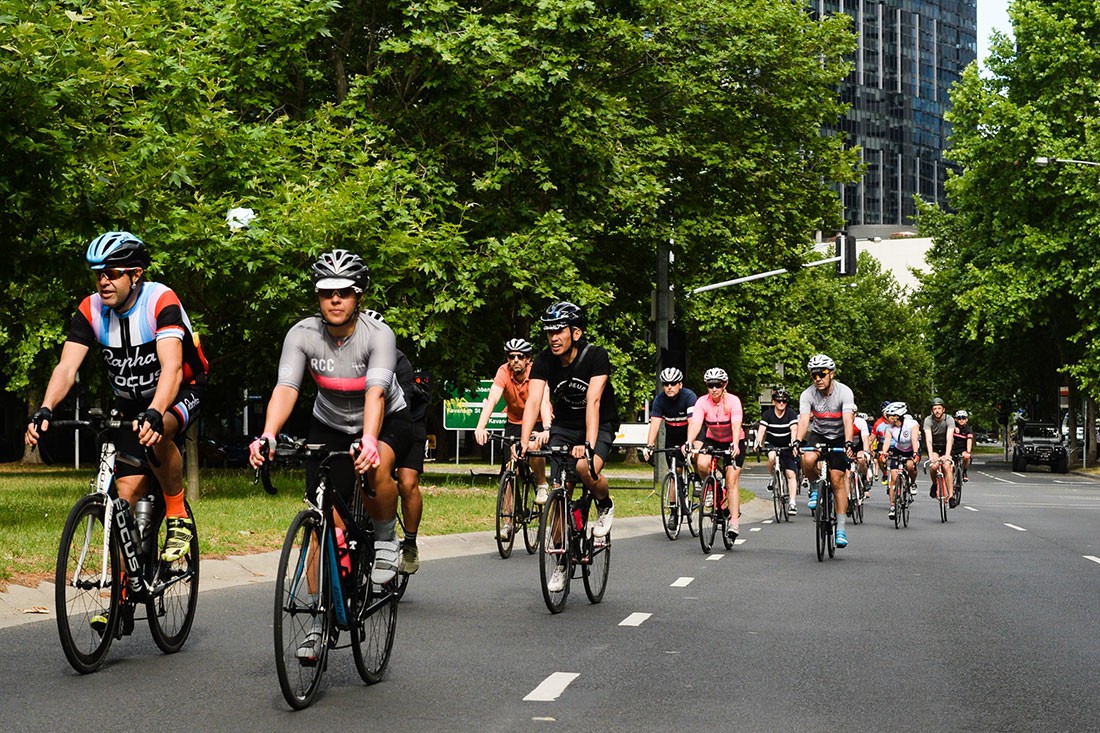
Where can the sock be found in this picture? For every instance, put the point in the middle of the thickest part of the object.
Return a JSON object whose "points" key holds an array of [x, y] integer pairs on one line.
{"points": [[410, 539], [840, 521], [605, 503], [173, 506], [384, 530]]}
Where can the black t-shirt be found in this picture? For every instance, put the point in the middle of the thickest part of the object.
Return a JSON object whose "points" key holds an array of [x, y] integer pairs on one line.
{"points": [[777, 430], [568, 385], [963, 433], [415, 397]]}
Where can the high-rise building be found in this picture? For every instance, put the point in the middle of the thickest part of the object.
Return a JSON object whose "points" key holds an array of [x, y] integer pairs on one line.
{"points": [[909, 54]]}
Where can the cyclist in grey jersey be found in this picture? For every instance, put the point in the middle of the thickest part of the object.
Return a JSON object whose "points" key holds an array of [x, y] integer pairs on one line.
{"points": [[352, 359]]}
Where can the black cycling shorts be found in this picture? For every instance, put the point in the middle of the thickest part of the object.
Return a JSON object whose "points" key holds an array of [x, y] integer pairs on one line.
{"points": [[836, 460], [185, 408], [575, 436]]}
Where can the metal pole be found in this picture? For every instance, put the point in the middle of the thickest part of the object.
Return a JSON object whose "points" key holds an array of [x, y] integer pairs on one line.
{"points": [[76, 433]]}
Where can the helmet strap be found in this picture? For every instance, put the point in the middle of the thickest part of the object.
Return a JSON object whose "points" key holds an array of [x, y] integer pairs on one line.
{"points": [[136, 284]]}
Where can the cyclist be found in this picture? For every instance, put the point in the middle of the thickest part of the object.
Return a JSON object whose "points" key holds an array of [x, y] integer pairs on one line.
{"points": [[513, 382], [862, 439], [832, 407], [939, 434], [673, 407], [777, 426], [878, 439], [155, 367], [722, 414], [577, 375], [903, 440], [963, 445], [351, 357]]}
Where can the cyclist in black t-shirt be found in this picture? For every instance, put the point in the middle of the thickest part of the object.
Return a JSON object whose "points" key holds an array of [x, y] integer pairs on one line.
{"points": [[776, 429], [578, 375]]}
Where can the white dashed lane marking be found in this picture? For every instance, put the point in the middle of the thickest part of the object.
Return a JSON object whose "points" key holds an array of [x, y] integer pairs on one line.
{"points": [[715, 557], [970, 508], [1094, 558], [635, 619], [1013, 526], [682, 582], [551, 688]]}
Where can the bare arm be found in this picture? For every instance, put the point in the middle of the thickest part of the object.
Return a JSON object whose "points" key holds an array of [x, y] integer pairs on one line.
{"points": [[61, 381], [481, 435]]}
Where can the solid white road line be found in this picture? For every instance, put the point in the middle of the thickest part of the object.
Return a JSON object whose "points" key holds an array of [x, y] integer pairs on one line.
{"points": [[1013, 526], [682, 582], [635, 619], [551, 687], [1094, 558]]}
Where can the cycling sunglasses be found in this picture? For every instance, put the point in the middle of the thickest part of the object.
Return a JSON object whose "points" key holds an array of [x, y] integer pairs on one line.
{"points": [[517, 356], [715, 385], [820, 373], [669, 384], [113, 273], [343, 293]]}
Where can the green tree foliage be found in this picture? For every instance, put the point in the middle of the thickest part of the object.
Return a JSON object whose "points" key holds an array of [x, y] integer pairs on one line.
{"points": [[1014, 285], [485, 158]]}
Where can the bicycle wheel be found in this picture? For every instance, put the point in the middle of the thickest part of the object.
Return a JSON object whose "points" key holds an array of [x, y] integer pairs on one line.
{"points": [[87, 586], [505, 494], [784, 497], [296, 614], [905, 508], [941, 484], [554, 550], [691, 503], [830, 522], [669, 503], [779, 505], [529, 514], [595, 571], [374, 625], [708, 513], [899, 501], [821, 528], [171, 610]]}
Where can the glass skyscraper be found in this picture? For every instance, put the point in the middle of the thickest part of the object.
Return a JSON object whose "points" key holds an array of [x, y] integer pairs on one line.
{"points": [[910, 52]]}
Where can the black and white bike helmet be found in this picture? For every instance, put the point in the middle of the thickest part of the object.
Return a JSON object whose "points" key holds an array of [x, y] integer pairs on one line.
{"points": [[339, 269], [563, 314], [715, 374], [961, 414], [518, 345], [780, 393], [117, 249], [820, 361], [671, 375], [896, 409]]}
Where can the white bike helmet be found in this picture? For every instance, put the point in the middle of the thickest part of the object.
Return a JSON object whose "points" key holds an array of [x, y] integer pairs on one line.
{"points": [[715, 374], [820, 361], [896, 409], [962, 414], [517, 345], [671, 375]]}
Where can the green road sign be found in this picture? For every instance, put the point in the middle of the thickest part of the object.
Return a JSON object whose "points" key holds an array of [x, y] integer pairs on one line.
{"points": [[461, 411]]}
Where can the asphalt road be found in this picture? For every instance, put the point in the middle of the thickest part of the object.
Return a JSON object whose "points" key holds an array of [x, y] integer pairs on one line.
{"points": [[988, 622]]}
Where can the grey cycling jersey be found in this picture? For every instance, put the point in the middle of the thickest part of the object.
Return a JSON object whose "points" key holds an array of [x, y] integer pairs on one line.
{"points": [[940, 429], [343, 370], [828, 409]]}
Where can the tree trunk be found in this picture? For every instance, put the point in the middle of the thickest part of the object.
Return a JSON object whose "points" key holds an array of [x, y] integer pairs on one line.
{"points": [[191, 445]]}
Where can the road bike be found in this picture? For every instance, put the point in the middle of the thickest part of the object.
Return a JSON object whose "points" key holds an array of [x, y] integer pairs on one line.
{"points": [[939, 485], [901, 489], [679, 494], [957, 459], [516, 505], [566, 540], [858, 487], [825, 512], [781, 489], [324, 586], [109, 562], [712, 502]]}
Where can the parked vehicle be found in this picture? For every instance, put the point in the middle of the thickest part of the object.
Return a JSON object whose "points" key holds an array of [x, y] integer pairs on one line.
{"points": [[1040, 443]]}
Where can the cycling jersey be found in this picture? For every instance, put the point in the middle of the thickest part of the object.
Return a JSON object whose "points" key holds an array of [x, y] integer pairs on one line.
{"points": [[676, 412], [343, 369], [128, 340], [879, 430], [515, 392], [902, 436], [719, 417], [777, 430], [940, 430], [827, 409], [963, 434], [568, 384]]}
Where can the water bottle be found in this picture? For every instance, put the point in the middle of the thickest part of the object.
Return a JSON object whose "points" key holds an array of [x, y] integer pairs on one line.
{"points": [[143, 514], [343, 558], [578, 518], [129, 544]]}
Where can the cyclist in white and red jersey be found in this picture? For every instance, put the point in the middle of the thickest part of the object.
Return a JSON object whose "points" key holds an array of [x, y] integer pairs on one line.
{"points": [[878, 439], [902, 446], [722, 415], [352, 358], [155, 367], [831, 406], [862, 438]]}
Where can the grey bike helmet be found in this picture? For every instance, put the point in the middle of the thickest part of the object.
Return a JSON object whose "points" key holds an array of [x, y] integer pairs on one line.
{"points": [[820, 361], [518, 345], [117, 249], [671, 375], [339, 269]]}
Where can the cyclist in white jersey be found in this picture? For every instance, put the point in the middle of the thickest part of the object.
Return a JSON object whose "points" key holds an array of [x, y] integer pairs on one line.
{"points": [[904, 440]]}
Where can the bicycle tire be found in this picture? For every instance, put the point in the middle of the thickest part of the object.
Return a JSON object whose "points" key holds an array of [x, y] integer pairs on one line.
{"points": [[819, 527], [554, 549], [172, 611], [778, 504], [530, 516], [708, 514], [81, 589], [507, 485], [294, 613], [899, 501], [830, 522], [595, 571], [374, 626], [690, 506], [668, 486], [905, 508], [941, 483]]}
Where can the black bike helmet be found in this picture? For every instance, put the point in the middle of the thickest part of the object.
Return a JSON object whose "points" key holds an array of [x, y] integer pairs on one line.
{"points": [[117, 249], [339, 269], [563, 314]]}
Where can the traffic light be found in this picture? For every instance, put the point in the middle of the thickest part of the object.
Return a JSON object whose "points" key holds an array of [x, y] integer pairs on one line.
{"points": [[846, 252]]}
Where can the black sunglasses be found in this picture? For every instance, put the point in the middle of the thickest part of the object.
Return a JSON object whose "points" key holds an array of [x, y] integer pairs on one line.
{"points": [[517, 356], [342, 293], [669, 384], [715, 385], [780, 400], [821, 373]]}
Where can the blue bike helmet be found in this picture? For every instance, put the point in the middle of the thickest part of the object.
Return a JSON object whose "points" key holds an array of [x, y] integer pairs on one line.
{"points": [[117, 249]]}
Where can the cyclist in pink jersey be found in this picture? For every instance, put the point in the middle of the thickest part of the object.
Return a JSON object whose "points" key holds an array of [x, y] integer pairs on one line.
{"points": [[721, 413]]}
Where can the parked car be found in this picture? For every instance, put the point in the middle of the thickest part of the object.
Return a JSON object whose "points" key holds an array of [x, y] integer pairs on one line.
{"points": [[288, 450], [1039, 442]]}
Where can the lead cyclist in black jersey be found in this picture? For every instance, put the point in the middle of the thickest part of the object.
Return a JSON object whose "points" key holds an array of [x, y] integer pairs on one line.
{"points": [[352, 358]]}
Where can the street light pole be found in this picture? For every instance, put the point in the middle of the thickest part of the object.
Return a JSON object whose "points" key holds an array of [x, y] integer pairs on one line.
{"points": [[1043, 160]]}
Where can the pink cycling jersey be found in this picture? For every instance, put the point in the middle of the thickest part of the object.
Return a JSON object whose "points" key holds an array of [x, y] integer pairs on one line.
{"points": [[719, 417]]}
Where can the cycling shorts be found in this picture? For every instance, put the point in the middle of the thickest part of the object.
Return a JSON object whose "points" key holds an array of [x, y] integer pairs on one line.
{"points": [[787, 461], [739, 461], [836, 460], [396, 432], [185, 408], [575, 436]]}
